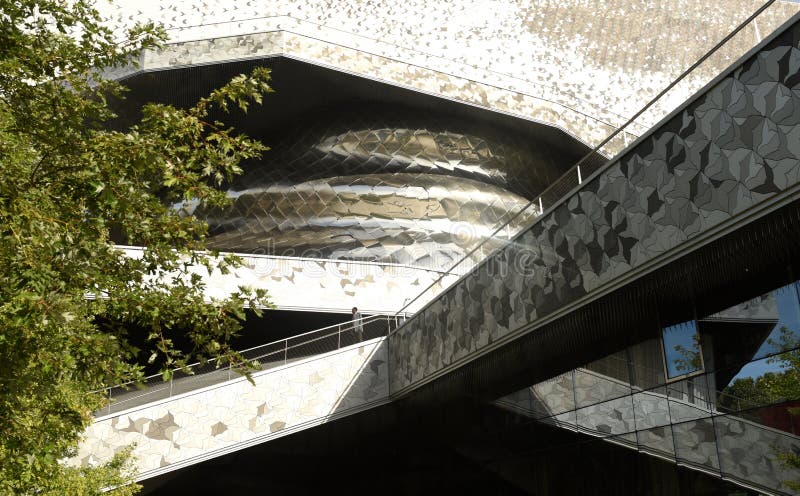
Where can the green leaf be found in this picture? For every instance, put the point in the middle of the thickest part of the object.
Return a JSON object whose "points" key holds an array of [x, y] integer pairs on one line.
{"points": [[74, 312]]}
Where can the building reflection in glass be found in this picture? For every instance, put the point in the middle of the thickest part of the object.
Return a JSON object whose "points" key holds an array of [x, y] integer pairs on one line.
{"points": [[720, 394], [682, 354]]}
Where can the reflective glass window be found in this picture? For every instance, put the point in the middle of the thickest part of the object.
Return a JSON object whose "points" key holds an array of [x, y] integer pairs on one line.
{"points": [[770, 375], [786, 331], [682, 354]]}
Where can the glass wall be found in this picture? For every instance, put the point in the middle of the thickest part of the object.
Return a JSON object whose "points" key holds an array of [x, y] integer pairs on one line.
{"points": [[720, 393], [682, 349]]}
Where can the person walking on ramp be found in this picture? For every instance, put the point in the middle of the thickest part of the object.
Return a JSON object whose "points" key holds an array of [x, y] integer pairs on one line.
{"points": [[358, 326]]}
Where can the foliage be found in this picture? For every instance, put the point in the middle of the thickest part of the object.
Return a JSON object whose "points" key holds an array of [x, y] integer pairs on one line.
{"points": [[771, 388], [745, 392], [688, 360], [786, 386], [69, 300]]}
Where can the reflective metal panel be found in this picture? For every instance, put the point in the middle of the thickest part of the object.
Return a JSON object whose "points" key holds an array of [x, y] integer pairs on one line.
{"points": [[382, 184]]}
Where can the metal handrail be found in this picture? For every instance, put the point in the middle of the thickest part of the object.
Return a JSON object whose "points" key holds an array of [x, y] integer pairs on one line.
{"points": [[278, 353], [363, 320], [575, 176]]}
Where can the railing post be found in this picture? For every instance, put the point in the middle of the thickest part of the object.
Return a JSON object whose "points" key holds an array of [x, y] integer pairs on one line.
{"points": [[541, 208], [170, 386], [109, 401], [229, 372], [339, 337], [286, 351], [580, 179]]}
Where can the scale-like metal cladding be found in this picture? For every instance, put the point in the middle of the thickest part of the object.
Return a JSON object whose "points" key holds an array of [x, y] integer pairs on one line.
{"points": [[383, 186]]}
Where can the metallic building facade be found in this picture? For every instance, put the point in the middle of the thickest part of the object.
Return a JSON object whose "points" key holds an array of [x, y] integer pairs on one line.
{"points": [[364, 171], [698, 214], [384, 184]]}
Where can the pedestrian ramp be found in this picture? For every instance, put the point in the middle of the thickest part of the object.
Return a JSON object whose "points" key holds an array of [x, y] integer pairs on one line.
{"points": [[194, 418]]}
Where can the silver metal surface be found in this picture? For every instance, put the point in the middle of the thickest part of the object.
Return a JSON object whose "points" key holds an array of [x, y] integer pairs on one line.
{"points": [[383, 186]]}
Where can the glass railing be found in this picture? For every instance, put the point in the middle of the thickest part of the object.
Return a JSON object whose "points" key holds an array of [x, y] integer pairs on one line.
{"points": [[739, 418]]}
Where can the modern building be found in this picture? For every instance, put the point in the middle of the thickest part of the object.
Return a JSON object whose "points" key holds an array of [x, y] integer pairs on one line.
{"points": [[563, 294]]}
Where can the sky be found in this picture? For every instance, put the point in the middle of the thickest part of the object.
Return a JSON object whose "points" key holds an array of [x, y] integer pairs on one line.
{"points": [[789, 316]]}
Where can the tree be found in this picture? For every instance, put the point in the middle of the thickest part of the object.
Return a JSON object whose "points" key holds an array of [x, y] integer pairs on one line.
{"points": [[688, 360], [772, 388], [70, 187]]}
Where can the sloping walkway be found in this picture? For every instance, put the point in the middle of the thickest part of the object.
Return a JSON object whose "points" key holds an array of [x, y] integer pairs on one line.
{"points": [[203, 423], [726, 158], [656, 422]]}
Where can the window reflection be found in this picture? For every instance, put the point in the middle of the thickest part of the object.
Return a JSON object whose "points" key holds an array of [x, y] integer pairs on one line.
{"points": [[682, 349], [737, 390], [786, 332]]}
